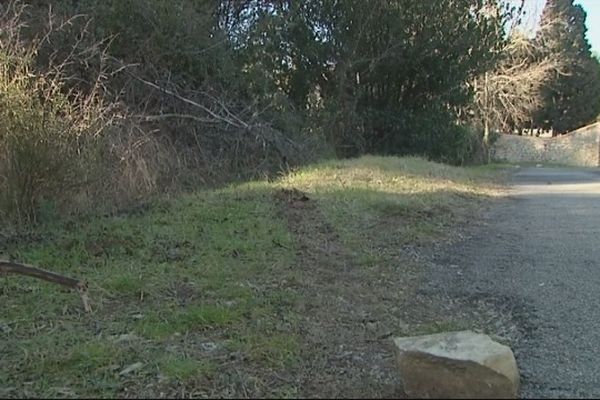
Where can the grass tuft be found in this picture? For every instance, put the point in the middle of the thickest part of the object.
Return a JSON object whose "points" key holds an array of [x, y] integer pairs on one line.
{"points": [[184, 369]]}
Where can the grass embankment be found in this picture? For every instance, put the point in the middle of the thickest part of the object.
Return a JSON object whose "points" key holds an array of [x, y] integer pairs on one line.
{"points": [[288, 288]]}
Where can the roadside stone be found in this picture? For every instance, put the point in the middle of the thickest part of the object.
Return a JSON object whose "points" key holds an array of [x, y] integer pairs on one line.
{"points": [[461, 364], [131, 368], [174, 254], [209, 346], [4, 328], [126, 337]]}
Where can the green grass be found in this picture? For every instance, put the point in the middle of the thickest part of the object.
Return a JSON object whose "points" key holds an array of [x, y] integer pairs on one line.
{"points": [[395, 200], [220, 266], [529, 164], [193, 318], [182, 369], [278, 350], [126, 284]]}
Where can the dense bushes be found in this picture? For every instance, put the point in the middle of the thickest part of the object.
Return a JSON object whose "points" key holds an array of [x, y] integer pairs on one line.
{"points": [[48, 135], [106, 104], [389, 75], [119, 99]]}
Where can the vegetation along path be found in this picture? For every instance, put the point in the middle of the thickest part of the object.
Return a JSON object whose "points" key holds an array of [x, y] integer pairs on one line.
{"points": [[290, 288], [534, 260]]}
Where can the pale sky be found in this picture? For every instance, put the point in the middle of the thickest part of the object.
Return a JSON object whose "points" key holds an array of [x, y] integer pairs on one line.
{"points": [[591, 7]]}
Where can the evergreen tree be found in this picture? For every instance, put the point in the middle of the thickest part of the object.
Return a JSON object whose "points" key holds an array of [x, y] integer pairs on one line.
{"points": [[572, 98]]}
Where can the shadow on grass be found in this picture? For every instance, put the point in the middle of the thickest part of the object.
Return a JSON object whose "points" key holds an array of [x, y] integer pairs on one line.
{"points": [[227, 282]]}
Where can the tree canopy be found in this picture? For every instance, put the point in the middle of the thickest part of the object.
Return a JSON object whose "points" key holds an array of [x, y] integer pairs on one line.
{"points": [[157, 94], [572, 98]]}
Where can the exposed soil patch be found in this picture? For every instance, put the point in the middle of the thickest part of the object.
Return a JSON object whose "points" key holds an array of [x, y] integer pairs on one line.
{"points": [[183, 292], [348, 312]]}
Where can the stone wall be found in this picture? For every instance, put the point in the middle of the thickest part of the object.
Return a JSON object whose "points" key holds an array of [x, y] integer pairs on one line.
{"points": [[577, 148]]}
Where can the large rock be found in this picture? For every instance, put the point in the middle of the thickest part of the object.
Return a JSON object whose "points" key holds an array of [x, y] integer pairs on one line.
{"points": [[457, 365]]}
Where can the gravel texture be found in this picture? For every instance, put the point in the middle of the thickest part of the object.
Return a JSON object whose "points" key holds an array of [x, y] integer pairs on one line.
{"points": [[534, 258]]}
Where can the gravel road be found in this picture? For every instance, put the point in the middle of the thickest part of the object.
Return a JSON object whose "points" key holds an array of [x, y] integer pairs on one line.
{"points": [[537, 252]]}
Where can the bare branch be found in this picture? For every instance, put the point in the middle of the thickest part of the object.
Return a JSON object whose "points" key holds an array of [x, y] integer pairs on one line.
{"points": [[8, 267], [507, 96], [236, 123]]}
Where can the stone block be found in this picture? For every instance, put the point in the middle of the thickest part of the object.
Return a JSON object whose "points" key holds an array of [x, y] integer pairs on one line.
{"points": [[461, 364]]}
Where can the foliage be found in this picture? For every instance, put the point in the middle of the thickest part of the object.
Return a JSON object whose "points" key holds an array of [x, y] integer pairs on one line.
{"points": [[507, 96], [48, 135], [408, 61], [544, 80], [572, 98], [162, 72], [373, 71], [211, 91]]}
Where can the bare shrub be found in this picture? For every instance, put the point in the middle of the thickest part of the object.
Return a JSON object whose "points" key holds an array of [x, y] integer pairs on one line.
{"points": [[80, 128], [507, 96], [49, 132], [216, 136]]}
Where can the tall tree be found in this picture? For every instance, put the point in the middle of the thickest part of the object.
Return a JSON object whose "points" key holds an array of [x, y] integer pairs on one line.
{"points": [[508, 95], [405, 63], [572, 98]]}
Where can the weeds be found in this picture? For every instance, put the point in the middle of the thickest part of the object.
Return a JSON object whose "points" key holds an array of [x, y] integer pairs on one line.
{"points": [[49, 132], [223, 293]]}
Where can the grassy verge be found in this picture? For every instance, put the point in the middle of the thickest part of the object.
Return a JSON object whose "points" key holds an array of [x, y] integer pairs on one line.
{"points": [[275, 289]]}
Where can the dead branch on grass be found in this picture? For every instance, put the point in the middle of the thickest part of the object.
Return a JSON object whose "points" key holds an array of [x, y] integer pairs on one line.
{"points": [[8, 267]]}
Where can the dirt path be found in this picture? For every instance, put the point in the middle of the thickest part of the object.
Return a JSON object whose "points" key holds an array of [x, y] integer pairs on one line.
{"points": [[345, 325], [533, 263]]}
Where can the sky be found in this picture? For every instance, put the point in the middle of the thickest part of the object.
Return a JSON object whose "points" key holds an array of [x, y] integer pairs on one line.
{"points": [[592, 8]]}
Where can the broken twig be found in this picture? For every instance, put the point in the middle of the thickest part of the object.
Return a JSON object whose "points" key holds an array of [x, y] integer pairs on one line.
{"points": [[8, 267]]}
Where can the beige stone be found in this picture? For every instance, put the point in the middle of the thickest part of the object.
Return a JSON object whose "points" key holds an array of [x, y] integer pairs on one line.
{"points": [[461, 364]]}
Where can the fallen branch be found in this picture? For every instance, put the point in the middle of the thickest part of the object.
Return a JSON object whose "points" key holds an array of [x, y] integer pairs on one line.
{"points": [[149, 118], [236, 122], [7, 267]]}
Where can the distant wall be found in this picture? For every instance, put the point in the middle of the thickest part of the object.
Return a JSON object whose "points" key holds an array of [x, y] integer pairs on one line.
{"points": [[577, 148]]}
